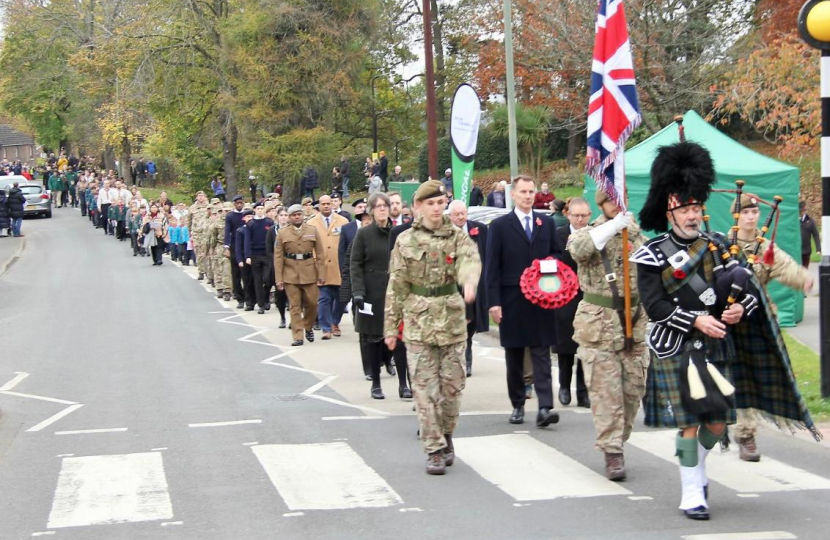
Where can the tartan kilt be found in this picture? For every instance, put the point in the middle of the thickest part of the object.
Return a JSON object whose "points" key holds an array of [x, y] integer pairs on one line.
{"points": [[663, 405]]}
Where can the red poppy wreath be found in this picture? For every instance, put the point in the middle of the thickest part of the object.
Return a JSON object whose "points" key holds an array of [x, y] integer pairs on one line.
{"points": [[549, 291]]}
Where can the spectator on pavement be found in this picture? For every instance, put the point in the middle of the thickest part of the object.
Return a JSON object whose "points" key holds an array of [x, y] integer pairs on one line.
{"points": [[809, 233], [16, 202], [5, 220], [496, 198], [543, 199]]}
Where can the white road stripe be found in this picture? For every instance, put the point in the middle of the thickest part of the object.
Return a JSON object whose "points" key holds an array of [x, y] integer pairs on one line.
{"points": [[768, 475], [329, 418], [86, 431], [39, 398], [54, 418], [295, 368], [326, 476], [765, 535], [318, 386], [229, 423], [14, 382], [369, 410], [529, 470], [95, 490]]}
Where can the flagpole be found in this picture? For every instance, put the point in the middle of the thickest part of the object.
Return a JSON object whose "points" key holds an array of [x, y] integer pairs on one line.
{"points": [[619, 168]]}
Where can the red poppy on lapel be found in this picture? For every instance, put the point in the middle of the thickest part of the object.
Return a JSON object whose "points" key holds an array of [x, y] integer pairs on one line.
{"points": [[679, 274], [450, 259], [538, 222], [474, 231]]}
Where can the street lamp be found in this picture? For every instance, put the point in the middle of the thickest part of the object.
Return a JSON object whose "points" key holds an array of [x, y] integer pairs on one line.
{"points": [[374, 116], [814, 27]]}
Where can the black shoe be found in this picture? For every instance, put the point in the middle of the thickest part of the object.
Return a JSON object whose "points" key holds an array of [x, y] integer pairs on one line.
{"points": [[220, 294], [282, 323], [377, 393], [518, 416], [699, 513], [582, 400], [201, 277], [449, 450], [404, 393], [564, 395], [135, 254], [261, 311], [316, 327], [268, 307], [227, 297], [240, 305], [249, 308], [297, 343], [390, 369], [309, 335], [546, 417]]}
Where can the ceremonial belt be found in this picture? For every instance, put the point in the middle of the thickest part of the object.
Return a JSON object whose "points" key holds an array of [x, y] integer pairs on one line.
{"points": [[299, 256], [607, 301], [431, 292], [617, 303]]}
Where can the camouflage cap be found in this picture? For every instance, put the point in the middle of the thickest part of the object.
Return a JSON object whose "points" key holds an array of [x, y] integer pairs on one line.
{"points": [[215, 200], [228, 206], [748, 200], [430, 190], [307, 200]]}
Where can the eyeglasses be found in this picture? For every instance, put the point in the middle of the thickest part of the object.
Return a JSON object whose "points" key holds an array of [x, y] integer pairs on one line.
{"points": [[380, 206]]}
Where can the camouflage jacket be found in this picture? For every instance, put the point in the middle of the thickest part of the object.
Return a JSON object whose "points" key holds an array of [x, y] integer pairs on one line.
{"points": [[197, 220], [426, 258], [216, 235], [784, 270], [596, 326]]}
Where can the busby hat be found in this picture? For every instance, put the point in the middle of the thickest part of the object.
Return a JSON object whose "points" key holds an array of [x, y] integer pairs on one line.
{"points": [[682, 174]]}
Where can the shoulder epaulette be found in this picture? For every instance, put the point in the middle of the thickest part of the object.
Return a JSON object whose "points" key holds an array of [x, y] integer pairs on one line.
{"points": [[650, 253]]}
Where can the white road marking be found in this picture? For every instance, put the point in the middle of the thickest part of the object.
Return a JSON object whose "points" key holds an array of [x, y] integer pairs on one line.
{"points": [[748, 495], [39, 398], [87, 431], [250, 443], [168, 523], [330, 418], [521, 432], [325, 476], [223, 312], [484, 413], [764, 535], [247, 339], [158, 449], [410, 510], [14, 382], [768, 475], [229, 423], [529, 470], [295, 368], [64, 455], [43, 533], [641, 498], [319, 385], [96, 490], [54, 418], [293, 514], [350, 405]]}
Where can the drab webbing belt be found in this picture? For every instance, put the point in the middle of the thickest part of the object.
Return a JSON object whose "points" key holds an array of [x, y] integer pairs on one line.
{"points": [[617, 303], [607, 302], [299, 256], [442, 290]]}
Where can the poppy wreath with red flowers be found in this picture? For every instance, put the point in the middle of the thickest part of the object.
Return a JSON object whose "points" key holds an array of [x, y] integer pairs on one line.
{"points": [[530, 286]]}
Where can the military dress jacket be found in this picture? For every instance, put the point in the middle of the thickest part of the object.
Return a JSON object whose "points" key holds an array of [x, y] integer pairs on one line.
{"points": [[305, 241], [426, 268]]}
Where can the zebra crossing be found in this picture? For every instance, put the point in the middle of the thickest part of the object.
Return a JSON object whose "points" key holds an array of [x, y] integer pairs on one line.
{"points": [[100, 490]]}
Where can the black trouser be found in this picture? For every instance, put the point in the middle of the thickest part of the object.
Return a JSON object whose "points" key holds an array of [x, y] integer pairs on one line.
{"points": [[248, 294], [236, 279], [541, 375], [121, 230], [74, 196], [134, 242], [157, 250], [468, 354], [260, 268], [104, 219], [64, 198], [83, 205], [281, 299], [372, 352], [399, 354], [566, 369], [221, 197]]}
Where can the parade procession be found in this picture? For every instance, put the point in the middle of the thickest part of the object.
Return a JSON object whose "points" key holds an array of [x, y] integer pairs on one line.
{"points": [[562, 281]]}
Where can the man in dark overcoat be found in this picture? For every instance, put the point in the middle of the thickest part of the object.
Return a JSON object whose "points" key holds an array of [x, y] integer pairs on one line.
{"points": [[515, 241]]}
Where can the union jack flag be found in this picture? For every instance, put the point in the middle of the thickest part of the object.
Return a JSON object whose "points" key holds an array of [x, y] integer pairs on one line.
{"points": [[613, 111]]}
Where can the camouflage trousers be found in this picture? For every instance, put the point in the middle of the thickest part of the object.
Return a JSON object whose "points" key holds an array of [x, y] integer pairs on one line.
{"points": [[616, 383], [220, 271], [438, 376], [746, 426], [202, 256]]}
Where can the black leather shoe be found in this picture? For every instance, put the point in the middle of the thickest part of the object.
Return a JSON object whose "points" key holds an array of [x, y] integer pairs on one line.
{"points": [[309, 335], [377, 393], [249, 308], [297, 343], [700, 513], [261, 311], [546, 417], [390, 369], [469, 371], [240, 305], [582, 400], [564, 395], [282, 323], [518, 416], [404, 393]]}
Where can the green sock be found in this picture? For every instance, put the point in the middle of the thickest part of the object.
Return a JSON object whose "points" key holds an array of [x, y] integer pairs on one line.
{"points": [[686, 451], [707, 439]]}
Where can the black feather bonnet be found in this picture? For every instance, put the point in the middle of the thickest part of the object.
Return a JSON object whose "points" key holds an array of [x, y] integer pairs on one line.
{"points": [[682, 174]]}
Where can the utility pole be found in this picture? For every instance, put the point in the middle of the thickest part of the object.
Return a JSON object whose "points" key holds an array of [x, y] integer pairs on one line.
{"points": [[374, 117], [511, 99], [432, 126]]}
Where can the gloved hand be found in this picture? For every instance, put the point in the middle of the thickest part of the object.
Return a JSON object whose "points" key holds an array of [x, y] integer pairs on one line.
{"points": [[601, 234], [358, 302]]}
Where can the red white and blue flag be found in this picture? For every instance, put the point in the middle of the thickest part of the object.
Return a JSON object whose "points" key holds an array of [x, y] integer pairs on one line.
{"points": [[613, 111]]}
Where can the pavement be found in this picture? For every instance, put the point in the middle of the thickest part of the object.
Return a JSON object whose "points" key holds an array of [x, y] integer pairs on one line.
{"points": [[134, 404], [10, 250]]}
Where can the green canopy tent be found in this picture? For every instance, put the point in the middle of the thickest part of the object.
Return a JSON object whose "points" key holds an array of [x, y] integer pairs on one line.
{"points": [[764, 176]]}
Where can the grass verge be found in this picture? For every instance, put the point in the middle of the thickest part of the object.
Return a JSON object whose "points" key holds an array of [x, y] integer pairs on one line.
{"points": [[173, 193], [807, 369]]}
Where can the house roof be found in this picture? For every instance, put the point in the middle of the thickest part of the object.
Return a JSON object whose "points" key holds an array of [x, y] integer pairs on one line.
{"points": [[11, 137]]}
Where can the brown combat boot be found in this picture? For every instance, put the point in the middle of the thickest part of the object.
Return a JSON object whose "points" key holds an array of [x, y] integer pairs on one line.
{"points": [[436, 463], [747, 449], [449, 451], [614, 466]]}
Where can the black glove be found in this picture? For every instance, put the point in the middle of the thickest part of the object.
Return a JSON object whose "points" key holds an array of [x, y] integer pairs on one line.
{"points": [[358, 302]]}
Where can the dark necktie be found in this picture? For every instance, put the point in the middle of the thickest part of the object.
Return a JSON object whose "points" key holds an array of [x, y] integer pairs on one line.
{"points": [[528, 232]]}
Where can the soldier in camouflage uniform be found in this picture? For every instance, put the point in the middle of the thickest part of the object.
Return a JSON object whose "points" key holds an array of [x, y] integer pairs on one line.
{"points": [[615, 377], [216, 249], [197, 225], [785, 270], [429, 262], [214, 208]]}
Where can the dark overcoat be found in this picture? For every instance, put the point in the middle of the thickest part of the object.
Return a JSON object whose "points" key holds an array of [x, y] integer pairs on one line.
{"points": [[5, 222], [509, 253], [347, 234], [565, 315], [16, 202], [369, 274], [478, 310]]}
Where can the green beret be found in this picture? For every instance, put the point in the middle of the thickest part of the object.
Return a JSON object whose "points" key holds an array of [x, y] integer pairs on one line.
{"points": [[429, 190]]}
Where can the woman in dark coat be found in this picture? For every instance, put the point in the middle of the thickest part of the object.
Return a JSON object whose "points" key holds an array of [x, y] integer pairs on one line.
{"points": [[369, 275], [16, 202], [565, 345], [5, 222]]}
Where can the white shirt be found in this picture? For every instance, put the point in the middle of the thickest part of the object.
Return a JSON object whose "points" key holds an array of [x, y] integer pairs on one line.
{"points": [[105, 196], [125, 196], [521, 215], [397, 221]]}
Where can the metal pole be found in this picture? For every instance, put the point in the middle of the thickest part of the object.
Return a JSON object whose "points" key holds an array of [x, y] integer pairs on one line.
{"points": [[511, 89], [824, 266], [432, 126], [374, 119]]}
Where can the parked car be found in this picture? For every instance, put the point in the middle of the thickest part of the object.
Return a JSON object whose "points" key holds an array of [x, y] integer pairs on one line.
{"points": [[38, 202], [7, 181]]}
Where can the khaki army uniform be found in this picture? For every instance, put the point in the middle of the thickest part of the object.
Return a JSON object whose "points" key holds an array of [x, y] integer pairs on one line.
{"points": [[424, 274], [197, 219], [297, 266], [789, 273], [615, 378], [219, 264]]}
